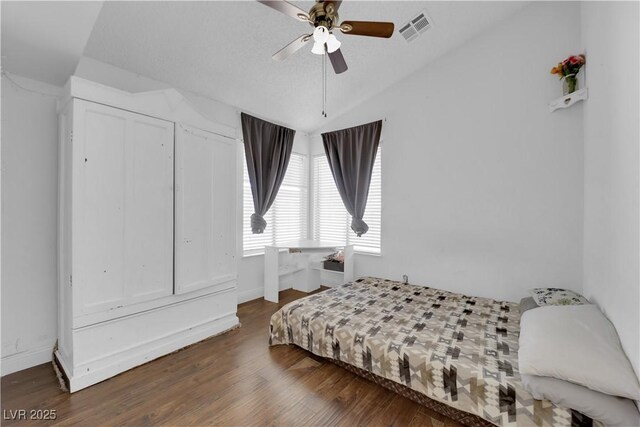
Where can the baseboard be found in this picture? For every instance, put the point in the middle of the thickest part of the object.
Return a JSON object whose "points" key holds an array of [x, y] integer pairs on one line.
{"points": [[26, 359], [250, 295]]}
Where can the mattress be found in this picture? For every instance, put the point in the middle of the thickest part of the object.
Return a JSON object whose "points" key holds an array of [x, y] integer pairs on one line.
{"points": [[456, 349]]}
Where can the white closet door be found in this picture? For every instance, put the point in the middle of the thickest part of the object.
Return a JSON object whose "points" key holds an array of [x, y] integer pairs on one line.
{"points": [[123, 200], [205, 212]]}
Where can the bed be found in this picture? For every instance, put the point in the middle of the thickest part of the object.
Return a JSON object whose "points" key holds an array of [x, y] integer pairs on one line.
{"points": [[455, 351]]}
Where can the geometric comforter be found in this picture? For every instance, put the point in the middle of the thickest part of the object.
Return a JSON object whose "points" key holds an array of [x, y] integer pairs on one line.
{"points": [[456, 349]]}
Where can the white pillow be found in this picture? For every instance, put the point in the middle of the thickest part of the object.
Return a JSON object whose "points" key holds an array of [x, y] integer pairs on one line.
{"points": [[576, 343], [610, 410]]}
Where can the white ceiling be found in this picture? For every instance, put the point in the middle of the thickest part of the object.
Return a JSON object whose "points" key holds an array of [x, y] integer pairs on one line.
{"points": [[223, 50], [44, 40]]}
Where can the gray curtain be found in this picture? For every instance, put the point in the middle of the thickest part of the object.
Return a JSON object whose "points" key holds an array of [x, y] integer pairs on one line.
{"points": [[351, 154], [267, 148]]}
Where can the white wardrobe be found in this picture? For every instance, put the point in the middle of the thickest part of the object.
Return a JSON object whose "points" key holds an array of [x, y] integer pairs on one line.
{"points": [[148, 196]]}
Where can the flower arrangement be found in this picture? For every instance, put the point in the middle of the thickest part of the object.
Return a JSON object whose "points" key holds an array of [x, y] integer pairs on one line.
{"points": [[567, 70], [336, 257], [334, 262]]}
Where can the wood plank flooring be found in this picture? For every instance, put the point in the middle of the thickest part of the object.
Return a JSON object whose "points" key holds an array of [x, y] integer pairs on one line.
{"points": [[234, 379]]}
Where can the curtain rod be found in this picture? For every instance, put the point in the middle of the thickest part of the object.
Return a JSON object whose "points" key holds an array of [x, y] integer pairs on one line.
{"points": [[308, 135], [258, 116], [311, 135]]}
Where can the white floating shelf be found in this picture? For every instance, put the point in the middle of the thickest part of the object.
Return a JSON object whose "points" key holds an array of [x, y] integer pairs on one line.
{"points": [[568, 100]]}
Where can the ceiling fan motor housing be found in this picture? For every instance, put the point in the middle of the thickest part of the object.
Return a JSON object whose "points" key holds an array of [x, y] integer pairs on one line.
{"points": [[323, 14]]}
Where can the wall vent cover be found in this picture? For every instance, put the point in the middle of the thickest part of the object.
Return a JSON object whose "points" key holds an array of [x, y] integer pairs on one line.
{"points": [[416, 26]]}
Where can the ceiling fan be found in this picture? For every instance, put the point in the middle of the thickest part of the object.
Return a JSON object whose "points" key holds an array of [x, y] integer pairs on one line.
{"points": [[323, 16]]}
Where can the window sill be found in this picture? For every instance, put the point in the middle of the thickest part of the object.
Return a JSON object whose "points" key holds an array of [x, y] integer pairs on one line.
{"points": [[255, 254], [372, 254]]}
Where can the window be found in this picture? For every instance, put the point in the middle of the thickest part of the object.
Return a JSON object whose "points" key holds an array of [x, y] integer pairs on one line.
{"points": [[331, 222], [287, 217]]}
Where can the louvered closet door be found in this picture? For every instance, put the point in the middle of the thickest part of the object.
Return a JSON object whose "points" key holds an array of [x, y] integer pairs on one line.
{"points": [[122, 207], [206, 199]]}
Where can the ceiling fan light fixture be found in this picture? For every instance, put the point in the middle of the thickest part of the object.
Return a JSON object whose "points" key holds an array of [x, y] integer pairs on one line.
{"points": [[321, 34], [333, 44], [318, 48]]}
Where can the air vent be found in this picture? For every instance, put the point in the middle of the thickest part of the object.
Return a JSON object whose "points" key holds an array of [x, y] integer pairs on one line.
{"points": [[421, 23], [408, 32], [418, 25]]}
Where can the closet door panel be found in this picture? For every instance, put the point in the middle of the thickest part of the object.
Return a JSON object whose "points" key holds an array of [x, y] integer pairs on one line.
{"points": [[224, 214], [123, 203], [99, 258], [205, 210], [149, 201]]}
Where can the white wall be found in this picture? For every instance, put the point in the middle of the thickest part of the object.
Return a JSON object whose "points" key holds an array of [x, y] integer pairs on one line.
{"points": [[481, 185], [29, 221], [611, 132]]}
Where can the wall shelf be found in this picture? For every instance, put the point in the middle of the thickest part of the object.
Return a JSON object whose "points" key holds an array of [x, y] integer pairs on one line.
{"points": [[568, 100]]}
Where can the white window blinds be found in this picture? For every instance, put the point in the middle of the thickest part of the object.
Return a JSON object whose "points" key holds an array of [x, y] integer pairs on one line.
{"points": [[287, 217], [331, 222]]}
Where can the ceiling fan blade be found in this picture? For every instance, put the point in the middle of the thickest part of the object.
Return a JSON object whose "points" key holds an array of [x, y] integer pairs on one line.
{"points": [[286, 8], [338, 62], [292, 47], [336, 4], [367, 28]]}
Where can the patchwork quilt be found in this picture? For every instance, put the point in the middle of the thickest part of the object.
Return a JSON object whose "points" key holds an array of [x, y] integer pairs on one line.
{"points": [[456, 349]]}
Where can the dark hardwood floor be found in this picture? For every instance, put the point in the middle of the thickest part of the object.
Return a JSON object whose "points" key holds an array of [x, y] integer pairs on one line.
{"points": [[234, 379]]}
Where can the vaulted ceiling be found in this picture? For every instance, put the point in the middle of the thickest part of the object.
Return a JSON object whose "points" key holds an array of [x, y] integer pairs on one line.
{"points": [[44, 40], [222, 49]]}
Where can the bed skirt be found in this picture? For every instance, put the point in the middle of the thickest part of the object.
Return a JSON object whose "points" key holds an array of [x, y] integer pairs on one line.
{"points": [[462, 417]]}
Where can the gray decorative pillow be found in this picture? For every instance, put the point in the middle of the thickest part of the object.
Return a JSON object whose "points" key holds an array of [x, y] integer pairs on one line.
{"points": [[557, 296]]}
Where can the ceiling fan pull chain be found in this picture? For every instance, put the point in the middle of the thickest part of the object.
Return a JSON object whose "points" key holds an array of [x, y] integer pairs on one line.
{"points": [[322, 77], [324, 84]]}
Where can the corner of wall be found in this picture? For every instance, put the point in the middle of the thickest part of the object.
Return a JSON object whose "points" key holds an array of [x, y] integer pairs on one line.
{"points": [[611, 227]]}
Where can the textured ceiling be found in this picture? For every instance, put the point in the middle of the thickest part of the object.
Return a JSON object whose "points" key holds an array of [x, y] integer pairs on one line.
{"points": [[223, 50], [44, 40]]}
